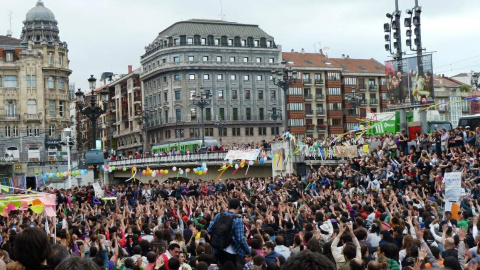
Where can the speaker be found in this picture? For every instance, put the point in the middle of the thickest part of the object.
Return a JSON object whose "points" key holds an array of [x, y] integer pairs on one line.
{"points": [[301, 169], [31, 182]]}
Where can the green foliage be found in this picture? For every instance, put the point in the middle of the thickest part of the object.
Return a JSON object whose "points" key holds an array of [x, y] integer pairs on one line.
{"points": [[464, 88]]}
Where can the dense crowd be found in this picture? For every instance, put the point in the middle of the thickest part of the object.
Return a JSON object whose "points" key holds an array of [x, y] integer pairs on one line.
{"points": [[382, 210]]}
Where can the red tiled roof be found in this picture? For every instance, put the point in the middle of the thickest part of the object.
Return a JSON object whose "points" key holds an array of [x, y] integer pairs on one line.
{"points": [[461, 75], [439, 81], [9, 41], [297, 59], [351, 65]]}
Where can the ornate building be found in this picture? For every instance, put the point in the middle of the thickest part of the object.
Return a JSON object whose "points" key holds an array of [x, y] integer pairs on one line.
{"points": [[230, 61], [34, 100]]}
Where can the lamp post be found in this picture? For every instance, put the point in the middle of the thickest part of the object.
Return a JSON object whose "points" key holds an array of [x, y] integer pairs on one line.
{"points": [[275, 113], [352, 99], [147, 115], [202, 100], [93, 111], [220, 125], [284, 78]]}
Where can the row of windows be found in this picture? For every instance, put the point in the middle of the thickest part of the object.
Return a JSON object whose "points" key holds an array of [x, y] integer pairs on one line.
{"points": [[206, 58], [223, 41], [32, 131], [220, 77], [334, 91], [236, 132], [10, 81]]}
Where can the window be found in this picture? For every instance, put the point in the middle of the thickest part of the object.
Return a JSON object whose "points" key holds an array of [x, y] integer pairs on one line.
{"points": [[220, 77], [176, 77], [275, 130], [260, 94], [333, 76], [233, 77], [256, 43], [248, 113], [271, 60], [176, 59], [11, 108], [191, 77], [208, 114], [261, 113], [219, 59], [221, 112], [245, 59], [50, 58], [61, 83], [168, 134], [295, 91], [178, 114], [269, 44], [246, 77], [335, 106], [273, 94], [230, 42], [194, 132], [383, 81], [206, 76], [51, 83], [249, 131], [296, 122], [11, 131], [51, 108], [232, 58], [51, 131], [336, 121], [193, 114], [61, 108], [9, 57], [10, 81], [243, 43], [262, 131], [31, 106], [205, 58], [270, 78], [234, 94], [235, 113], [217, 42], [31, 81], [295, 106], [208, 131], [236, 132], [179, 133], [334, 91], [259, 78], [165, 96], [164, 60], [177, 95], [247, 94], [204, 41], [258, 60], [220, 94], [176, 41], [190, 41], [350, 81], [165, 78], [191, 58]]}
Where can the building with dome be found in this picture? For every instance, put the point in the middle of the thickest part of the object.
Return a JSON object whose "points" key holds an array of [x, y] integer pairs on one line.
{"points": [[34, 98]]}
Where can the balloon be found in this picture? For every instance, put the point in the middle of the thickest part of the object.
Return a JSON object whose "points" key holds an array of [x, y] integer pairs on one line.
{"points": [[250, 162], [262, 160], [263, 155], [157, 172], [230, 161], [165, 171], [64, 174], [107, 167], [50, 176], [355, 128], [101, 167], [174, 169], [205, 170], [134, 169], [161, 171], [187, 170], [224, 164], [144, 172], [154, 174], [275, 156], [110, 170], [181, 172], [124, 169], [204, 164], [200, 173], [271, 157], [119, 168], [236, 166], [361, 127], [195, 170]]}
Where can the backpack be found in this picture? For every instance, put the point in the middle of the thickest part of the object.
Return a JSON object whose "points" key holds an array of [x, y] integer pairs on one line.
{"points": [[222, 231]]}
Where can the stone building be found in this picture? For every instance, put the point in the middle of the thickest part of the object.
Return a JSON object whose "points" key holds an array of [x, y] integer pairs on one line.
{"points": [[34, 98], [230, 61]]}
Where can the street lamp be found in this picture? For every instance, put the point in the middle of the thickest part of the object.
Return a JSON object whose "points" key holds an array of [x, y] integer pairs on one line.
{"points": [[93, 111], [275, 113], [147, 115], [284, 78], [220, 125], [201, 101]]}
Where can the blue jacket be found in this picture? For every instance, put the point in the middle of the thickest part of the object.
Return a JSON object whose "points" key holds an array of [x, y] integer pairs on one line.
{"points": [[272, 256]]}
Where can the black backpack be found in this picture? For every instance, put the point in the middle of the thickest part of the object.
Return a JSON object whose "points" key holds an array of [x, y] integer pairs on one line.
{"points": [[221, 236]]}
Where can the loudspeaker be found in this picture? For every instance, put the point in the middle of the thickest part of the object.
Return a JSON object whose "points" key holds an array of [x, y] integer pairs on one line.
{"points": [[301, 169], [31, 182]]}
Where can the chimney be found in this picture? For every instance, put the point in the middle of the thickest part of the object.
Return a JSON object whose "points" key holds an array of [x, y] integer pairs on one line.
{"points": [[321, 52], [343, 56], [303, 51], [129, 69], [348, 56], [9, 33], [292, 50], [443, 75]]}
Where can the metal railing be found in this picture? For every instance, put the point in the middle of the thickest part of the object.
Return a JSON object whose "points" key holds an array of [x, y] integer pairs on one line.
{"points": [[373, 101], [320, 111], [320, 96], [362, 87], [309, 112], [307, 81], [319, 81], [308, 96], [373, 86]]}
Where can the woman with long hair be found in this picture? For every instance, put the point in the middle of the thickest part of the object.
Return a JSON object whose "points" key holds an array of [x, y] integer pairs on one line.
{"points": [[178, 239]]}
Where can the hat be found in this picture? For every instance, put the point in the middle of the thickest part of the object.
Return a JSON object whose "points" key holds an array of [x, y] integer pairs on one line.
{"points": [[467, 127], [327, 227]]}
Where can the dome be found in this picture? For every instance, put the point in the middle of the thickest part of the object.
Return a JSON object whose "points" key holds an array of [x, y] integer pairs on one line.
{"points": [[40, 13]]}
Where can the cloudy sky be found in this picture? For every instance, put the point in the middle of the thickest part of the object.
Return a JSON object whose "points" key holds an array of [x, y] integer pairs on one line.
{"points": [[108, 35]]}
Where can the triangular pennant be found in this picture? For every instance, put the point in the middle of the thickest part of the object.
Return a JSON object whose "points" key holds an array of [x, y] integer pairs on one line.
{"points": [[37, 209]]}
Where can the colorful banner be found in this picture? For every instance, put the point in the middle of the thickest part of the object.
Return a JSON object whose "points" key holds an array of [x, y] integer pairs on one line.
{"points": [[243, 154]]}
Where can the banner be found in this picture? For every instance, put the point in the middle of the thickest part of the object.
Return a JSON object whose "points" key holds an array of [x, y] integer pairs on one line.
{"points": [[98, 190], [243, 154], [453, 186], [405, 85]]}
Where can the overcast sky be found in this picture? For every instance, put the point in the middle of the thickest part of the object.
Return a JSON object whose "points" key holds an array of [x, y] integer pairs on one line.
{"points": [[108, 35]]}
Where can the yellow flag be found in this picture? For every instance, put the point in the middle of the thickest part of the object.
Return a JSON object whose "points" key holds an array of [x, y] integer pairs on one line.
{"points": [[29, 189], [37, 209], [366, 148], [4, 188]]}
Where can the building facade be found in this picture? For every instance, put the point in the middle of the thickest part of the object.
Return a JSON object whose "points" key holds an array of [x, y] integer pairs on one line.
{"points": [[230, 61], [34, 90], [317, 103], [447, 90]]}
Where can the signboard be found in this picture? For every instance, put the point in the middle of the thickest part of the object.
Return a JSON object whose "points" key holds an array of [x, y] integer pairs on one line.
{"points": [[246, 154], [52, 143], [409, 87], [94, 157], [98, 144], [453, 186], [98, 190], [18, 167]]}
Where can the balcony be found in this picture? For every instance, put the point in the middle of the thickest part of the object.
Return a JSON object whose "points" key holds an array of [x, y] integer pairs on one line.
{"points": [[32, 117], [320, 112], [10, 117], [322, 127], [318, 81], [362, 87], [362, 102], [309, 112], [373, 87], [307, 81], [373, 101], [319, 96], [124, 118], [310, 128], [308, 96], [137, 99]]}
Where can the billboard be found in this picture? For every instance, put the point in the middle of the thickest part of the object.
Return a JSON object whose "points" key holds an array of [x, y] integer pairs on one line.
{"points": [[405, 85]]}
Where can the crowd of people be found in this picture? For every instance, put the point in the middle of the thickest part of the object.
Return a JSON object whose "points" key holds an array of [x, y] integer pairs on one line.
{"points": [[381, 210]]}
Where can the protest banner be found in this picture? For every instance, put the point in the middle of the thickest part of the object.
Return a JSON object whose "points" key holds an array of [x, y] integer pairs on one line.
{"points": [[242, 154], [453, 186]]}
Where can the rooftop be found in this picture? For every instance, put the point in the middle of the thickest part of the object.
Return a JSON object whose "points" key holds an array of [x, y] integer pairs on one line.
{"points": [[442, 81], [298, 59], [9, 41], [351, 65]]}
